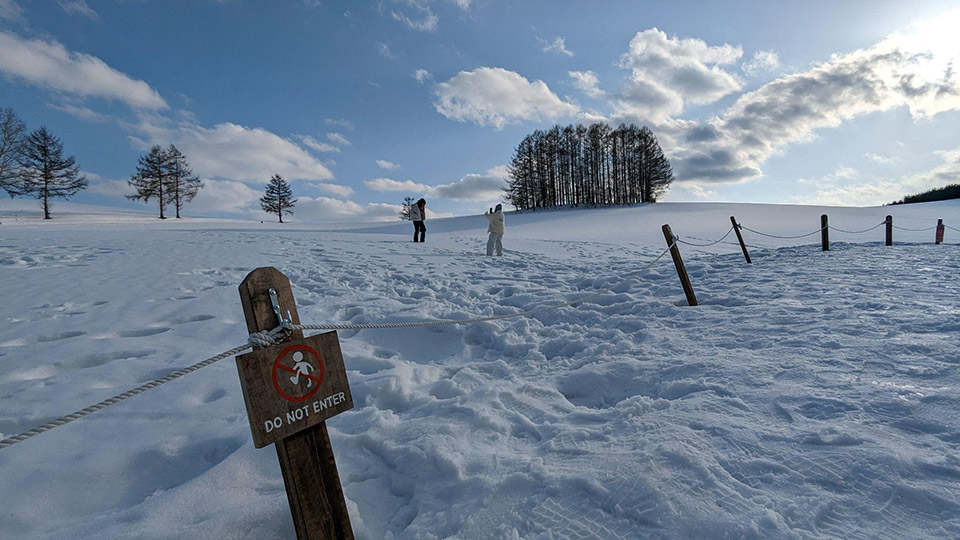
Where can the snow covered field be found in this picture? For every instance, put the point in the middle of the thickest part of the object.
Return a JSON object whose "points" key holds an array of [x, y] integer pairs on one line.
{"points": [[811, 395]]}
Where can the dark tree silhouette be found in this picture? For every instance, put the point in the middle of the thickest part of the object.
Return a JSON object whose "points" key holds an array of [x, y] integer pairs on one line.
{"points": [[277, 199], [405, 209], [12, 139], [594, 165], [183, 185], [45, 173], [151, 179]]}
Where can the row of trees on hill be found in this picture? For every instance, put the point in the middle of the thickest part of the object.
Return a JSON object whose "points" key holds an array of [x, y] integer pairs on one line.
{"points": [[32, 164], [951, 191], [595, 165], [164, 174]]}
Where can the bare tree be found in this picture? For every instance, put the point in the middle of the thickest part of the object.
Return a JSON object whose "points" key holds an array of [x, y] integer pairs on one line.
{"points": [[150, 181], [45, 173], [405, 209], [12, 138], [182, 184], [277, 199]]}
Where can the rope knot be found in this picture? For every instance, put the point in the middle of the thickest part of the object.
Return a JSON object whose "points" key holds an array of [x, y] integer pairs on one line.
{"points": [[263, 339]]}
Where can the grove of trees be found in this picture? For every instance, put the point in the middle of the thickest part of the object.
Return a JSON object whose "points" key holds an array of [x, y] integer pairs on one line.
{"points": [[278, 198], [165, 175], [595, 165]]}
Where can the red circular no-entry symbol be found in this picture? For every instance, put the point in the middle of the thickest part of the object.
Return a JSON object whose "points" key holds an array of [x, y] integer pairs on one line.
{"points": [[302, 372]]}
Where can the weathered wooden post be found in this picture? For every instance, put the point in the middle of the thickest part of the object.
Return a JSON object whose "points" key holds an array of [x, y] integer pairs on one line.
{"points": [[289, 390], [940, 228], [824, 233], [736, 228], [889, 230], [681, 269]]}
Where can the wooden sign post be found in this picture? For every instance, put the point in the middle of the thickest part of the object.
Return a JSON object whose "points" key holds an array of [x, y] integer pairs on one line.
{"points": [[736, 228], [889, 222], [289, 390], [939, 236]]}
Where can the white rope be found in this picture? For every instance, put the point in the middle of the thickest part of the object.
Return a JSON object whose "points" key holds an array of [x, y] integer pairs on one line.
{"points": [[884, 222], [272, 337], [782, 237], [120, 397], [914, 230], [706, 245]]}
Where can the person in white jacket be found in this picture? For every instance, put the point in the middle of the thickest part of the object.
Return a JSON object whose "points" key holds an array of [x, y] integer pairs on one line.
{"points": [[496, 229]]}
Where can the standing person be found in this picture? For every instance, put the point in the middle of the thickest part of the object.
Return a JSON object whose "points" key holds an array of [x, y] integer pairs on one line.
{"points": [[496, 229], [418, 213]]}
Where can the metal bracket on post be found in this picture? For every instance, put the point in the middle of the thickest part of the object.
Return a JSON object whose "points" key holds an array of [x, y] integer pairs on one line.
{"points": [[275, 302]]}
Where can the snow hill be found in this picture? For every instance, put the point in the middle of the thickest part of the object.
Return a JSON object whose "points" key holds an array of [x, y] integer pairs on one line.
{"points": [[811, 395]]}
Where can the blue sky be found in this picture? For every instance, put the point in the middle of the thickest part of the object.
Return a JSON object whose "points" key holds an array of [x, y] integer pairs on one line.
{"points": [[359, 104]]}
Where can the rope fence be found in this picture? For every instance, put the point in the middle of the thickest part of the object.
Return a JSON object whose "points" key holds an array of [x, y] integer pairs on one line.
{"points": [[278, 334]]}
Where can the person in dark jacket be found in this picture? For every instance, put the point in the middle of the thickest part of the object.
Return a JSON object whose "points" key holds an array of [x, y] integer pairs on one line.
{"points": [[418, 213]]}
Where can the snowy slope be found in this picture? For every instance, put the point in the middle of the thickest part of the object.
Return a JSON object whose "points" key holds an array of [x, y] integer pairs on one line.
{"points": [[811, 395]]}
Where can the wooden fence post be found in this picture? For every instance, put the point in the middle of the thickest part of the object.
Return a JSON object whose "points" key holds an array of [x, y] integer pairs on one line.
{"points": [[736, 227], [889, 230], [824, 232], [681, 269], [306, 458], [940, 227]]}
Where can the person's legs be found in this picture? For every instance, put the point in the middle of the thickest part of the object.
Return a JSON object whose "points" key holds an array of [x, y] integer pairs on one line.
{"points": [[419, 231], [490, 243], [499, 245]]}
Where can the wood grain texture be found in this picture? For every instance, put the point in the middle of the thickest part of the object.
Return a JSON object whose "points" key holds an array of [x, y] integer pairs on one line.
{"points": [[681, 269]]}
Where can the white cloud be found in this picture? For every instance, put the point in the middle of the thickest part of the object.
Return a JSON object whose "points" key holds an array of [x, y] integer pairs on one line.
{"points": [[497, 97], [327, 209], [587, 82], [110, 187], [422, 76], [310, 142], [880, 159], [389, 184], [336, 189], [51, 66], [475, 187], [83, 113], [485, 187], [388, 165], [227, 196], [427, 22], [10, 10], [337, 138], [872, 194], [667, 73], [558, 45], [762, 62], [79, 7], [912, 70], [231, 151], [339, 122], [384, 50]]}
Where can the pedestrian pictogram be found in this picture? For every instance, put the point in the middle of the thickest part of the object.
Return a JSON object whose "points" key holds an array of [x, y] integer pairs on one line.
{"points": [[298, 373]]}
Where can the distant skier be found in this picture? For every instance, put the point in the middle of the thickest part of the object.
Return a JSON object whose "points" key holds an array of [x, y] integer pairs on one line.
{"points": [[496, 229], [418, 213]]}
